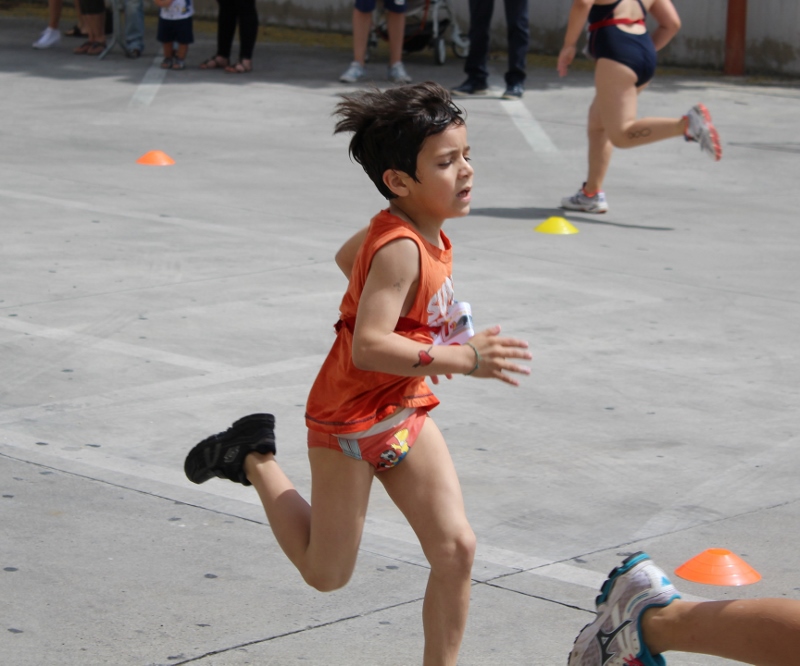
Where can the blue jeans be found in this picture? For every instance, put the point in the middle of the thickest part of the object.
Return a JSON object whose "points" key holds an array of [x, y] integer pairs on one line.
{"points": [[134, 25], [480, 21]]}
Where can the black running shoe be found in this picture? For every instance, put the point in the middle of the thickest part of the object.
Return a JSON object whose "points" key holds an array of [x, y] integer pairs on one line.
{"points": [[471, 87], [223, 454]]}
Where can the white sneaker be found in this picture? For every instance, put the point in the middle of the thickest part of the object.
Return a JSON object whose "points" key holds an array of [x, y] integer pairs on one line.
{"points": [[700, 128], [353, 73], [398, 74], [47, 38], [615, 637], [579, 201]]}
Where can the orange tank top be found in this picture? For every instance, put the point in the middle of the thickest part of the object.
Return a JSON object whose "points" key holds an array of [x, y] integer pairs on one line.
{"points": [[345, 399]]}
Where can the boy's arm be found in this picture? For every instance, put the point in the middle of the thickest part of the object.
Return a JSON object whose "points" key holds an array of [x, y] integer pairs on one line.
{"points": [[393, 274], [346, 256]]}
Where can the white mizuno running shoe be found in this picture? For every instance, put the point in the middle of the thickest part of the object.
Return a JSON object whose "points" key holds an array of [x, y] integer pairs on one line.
{"points": [[579, 201], [615, 637], [700, 128]]}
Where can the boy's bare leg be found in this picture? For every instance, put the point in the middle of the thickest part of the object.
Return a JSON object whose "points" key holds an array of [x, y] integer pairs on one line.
{"points": [[426, 489], [765, 632], [321, 539]]}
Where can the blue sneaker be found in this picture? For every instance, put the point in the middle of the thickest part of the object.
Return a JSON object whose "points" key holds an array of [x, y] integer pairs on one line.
{"points": [[615, 637]]}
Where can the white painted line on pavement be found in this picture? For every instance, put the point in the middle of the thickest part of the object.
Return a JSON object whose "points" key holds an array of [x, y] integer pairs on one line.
{"points": [[193, 225], [78, 339], [536, 137], [148, 88]]}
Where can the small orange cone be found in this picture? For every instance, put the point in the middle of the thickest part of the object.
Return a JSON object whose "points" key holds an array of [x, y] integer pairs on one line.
{"points": [[718, 566], [155, 158]]}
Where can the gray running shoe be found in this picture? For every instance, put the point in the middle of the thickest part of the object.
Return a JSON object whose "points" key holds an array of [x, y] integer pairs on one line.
{"points": [[397, 73], [353, 73], [700, 128], [615, 637], [579, 201]]}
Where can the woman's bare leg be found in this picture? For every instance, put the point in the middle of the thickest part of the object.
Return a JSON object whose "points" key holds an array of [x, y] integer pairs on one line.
{"points": [[425, 488], [600, 149], [765, 632], [322, 538], [616, 99]]}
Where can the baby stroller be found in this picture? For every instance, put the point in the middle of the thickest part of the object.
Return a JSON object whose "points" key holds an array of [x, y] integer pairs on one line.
{"points": [[427, 21]]}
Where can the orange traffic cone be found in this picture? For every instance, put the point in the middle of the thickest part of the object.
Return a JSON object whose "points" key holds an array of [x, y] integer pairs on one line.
{"points": [[718, 566], [155, 158]]}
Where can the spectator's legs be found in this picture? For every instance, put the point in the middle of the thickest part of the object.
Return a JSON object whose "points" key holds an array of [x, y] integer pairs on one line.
{"points": [[96, 27], [248, 28], [362, 22], [518, 38], [480, 19], [79, 20], [226, 27], [396, 27], [54, 13], [134, 25]]}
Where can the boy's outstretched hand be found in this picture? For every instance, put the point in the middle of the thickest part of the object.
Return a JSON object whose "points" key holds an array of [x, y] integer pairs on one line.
{"points": [[498, 355]]}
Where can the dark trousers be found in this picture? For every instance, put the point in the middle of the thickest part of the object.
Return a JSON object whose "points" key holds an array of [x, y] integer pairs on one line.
{"points": [[231, 13], [480, 20]]}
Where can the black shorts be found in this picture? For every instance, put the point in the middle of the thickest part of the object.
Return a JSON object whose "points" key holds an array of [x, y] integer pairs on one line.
{"points": [[92, 6], [179, 31]]}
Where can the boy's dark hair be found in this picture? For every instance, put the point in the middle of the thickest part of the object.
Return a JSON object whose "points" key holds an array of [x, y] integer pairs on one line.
{"points": [[390, 126]]}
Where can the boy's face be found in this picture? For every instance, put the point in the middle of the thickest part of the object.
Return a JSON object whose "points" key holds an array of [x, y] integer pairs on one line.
{"points": [[444, 174]]}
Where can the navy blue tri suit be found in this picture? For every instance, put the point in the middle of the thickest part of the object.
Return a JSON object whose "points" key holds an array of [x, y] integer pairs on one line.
{"points": [[608, 41]]}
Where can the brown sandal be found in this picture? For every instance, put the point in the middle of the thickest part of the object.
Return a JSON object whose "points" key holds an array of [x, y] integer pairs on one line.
{"points": [[96, 48], [241, 67], [215, 62], [83, 49]]}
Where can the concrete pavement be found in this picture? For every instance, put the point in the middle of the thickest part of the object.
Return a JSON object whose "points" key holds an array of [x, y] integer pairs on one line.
{"points": [[143, 308]]}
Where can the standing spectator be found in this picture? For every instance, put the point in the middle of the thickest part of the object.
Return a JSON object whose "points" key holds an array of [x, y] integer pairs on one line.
{"points": [[518, 34], [134, 28], [50, 35], [395, 26], [175, 27], [231, 13], [94, 18]]}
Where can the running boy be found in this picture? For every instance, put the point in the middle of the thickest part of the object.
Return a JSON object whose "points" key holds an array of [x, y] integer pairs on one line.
{"points": [[175, 27], [367, 413]]}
